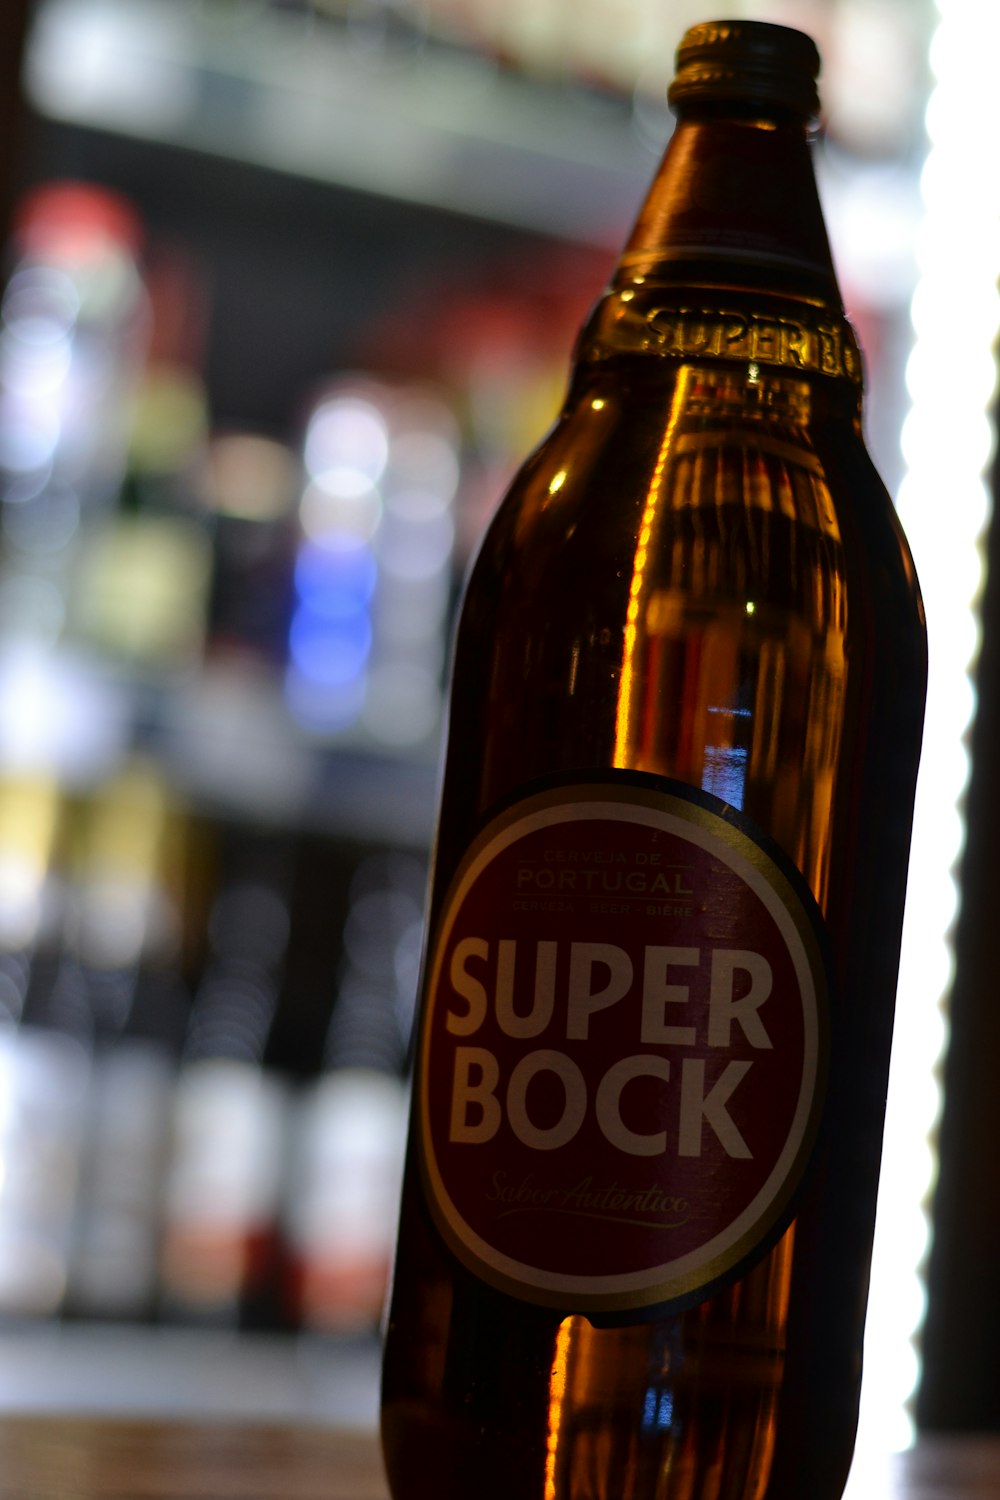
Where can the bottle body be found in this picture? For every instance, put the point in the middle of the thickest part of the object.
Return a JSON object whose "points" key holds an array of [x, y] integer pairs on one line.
{"points": [[696, 589]]}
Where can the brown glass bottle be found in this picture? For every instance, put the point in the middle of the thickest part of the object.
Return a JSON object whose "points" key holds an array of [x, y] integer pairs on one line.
{"points": [[696, 582]]}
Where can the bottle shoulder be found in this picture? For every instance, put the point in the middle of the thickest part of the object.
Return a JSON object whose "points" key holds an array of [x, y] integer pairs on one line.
{"points": [[682, 445], [681, 553], [662, 500]]}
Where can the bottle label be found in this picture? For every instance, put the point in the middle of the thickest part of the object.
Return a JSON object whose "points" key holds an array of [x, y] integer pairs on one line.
{"points": [[819, 345], [812, 342], [623, 1047]]}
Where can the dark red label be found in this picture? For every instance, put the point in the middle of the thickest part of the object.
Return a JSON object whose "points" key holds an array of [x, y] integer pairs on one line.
{"points": [[622, 1046]]}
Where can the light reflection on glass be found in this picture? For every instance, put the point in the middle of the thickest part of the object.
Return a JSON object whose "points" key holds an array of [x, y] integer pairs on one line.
{"points": [[557, 1397], [657, 1409], [654, 500], [724, 773]]}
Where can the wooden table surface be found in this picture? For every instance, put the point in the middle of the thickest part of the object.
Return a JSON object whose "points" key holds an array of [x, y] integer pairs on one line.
{"points": [[76, 1458]]}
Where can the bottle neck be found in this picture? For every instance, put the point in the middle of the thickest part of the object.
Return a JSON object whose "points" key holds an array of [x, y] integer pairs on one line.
{"points": [[735, 205], [729, 260]]}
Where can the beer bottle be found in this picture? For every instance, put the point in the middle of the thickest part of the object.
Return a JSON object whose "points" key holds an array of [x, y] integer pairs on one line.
{"points": [[669, 875]]}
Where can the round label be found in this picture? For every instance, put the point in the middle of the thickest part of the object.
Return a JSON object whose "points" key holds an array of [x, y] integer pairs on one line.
{"points": [[622, 1048]]}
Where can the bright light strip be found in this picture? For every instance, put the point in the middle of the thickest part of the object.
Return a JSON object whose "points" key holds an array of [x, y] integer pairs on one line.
{"points": [[944, 505]]}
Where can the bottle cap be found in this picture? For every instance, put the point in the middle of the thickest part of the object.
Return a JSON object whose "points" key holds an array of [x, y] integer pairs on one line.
{"points": [[752, 62]]}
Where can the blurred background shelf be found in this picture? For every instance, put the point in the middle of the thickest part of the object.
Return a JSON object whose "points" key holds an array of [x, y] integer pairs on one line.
{"points": [[367, 105], [188, 1373]]}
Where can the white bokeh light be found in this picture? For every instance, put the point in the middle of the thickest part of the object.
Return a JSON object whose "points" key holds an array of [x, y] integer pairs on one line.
{"points": [[944, 504]]}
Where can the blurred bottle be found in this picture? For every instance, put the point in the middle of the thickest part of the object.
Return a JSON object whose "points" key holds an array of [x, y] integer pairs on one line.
{"points": [[122, 964], [44, 1055], [31, 816], [141, 592], [219, 1263], [74, 330], [374, 564], [349, 1123], [249, 486]]}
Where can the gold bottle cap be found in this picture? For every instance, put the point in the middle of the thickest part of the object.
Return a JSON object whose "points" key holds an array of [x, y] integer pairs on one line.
{"points": [[751, 62]]}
